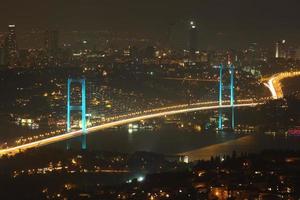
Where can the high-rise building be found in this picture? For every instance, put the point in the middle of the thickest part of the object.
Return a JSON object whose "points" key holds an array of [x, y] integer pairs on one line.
{"points": [[193, 39], [51, 42], [280, 49], [11, 48], [277, 50], [12, 39]]}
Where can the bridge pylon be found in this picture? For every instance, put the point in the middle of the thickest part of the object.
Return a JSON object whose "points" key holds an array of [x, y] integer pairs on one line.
{"points": [[81, 108], [222, 87]]}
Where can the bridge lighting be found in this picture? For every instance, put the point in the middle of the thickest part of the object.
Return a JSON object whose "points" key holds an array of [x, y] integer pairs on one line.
{"points": [[159, 112], [221, 88], [81, 108]]}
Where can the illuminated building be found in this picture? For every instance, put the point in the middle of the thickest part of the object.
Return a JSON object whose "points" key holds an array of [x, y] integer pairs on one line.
{"points": [[193, 47], [280, 51], [277, 50], [11, 44], [12, 39]]}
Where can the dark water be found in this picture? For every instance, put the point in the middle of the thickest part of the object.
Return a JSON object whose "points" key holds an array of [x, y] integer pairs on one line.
{"points": [[168, 141], [199, 145]]}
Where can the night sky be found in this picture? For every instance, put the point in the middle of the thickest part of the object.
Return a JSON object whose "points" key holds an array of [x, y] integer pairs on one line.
{"points": [[226, 22]]}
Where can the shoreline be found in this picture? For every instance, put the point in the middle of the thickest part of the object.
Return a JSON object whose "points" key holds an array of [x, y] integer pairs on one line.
{"points": [[225, 148]]}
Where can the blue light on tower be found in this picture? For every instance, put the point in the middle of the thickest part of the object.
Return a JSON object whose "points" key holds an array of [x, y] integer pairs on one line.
{"points": [[221, 88], [81, 108], [232, 95], [220, 97]]}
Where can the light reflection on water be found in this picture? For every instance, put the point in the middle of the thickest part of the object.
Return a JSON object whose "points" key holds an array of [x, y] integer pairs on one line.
{"points": [[251, 144]]}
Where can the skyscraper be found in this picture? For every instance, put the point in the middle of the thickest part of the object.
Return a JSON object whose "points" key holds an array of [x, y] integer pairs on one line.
{"points": [[277, 50], [12, 39], [280, 49], [193, 46], [11, 49], [51, 42]]}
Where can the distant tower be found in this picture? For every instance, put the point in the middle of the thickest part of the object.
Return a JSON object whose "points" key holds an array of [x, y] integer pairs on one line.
{"points": [[283, 49], [193, 47]]}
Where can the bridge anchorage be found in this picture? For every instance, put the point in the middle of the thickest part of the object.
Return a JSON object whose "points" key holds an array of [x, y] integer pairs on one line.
{"points": [[81, 108], [222, 87]]}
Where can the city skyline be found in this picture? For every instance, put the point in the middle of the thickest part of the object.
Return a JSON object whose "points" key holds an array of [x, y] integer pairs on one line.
{"points": [[221, 23]]}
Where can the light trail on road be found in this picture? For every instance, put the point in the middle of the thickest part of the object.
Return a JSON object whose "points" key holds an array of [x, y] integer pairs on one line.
{"points": [[73, 134], [274, 83]]}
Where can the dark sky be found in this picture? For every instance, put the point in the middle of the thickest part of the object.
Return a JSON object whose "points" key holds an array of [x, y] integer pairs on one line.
{"points": [[232, 21]]}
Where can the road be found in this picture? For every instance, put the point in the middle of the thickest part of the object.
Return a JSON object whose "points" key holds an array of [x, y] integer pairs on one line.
{"points": [[274, 83], [156, 113]]}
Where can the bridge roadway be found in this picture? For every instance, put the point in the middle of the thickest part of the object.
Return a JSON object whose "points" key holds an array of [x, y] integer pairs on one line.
{"points": [[154, 113]]}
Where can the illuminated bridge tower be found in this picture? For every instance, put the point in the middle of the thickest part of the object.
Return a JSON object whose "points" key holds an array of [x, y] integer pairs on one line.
{"points": [[229, 67], [81, 108]]}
